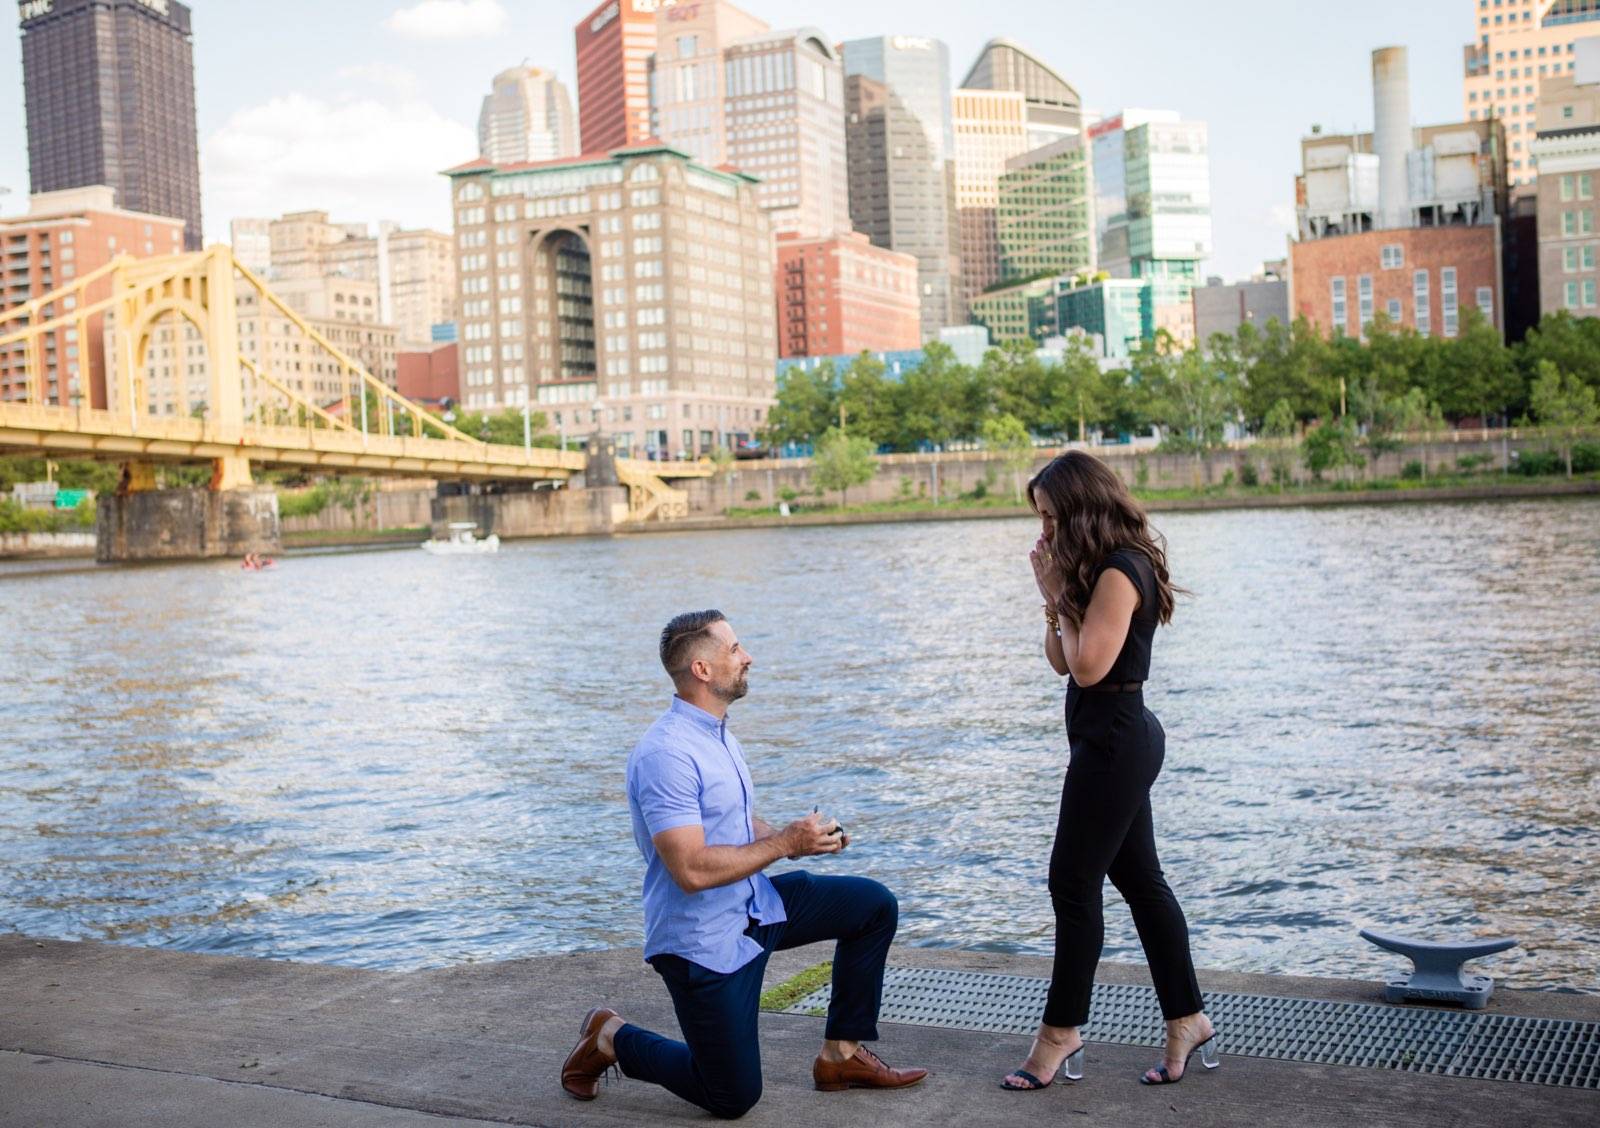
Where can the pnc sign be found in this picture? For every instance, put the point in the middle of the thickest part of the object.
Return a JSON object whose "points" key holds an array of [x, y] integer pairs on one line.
{"points": [[911, 43], [33, 9], [610, 13]]}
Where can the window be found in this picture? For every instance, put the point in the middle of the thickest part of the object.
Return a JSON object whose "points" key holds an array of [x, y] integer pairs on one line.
{"points": [[1485, 297], [1393, 256], [1588, 293], [1587, 261], [1340, 312], [1585, 186], [1569, 221], [1364, 292], [1447, 300], [1569, 259], [1419, 297], [1393, 310]]}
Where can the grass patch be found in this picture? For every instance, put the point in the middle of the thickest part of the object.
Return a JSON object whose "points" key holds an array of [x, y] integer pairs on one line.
{"points": [[787, 994]]}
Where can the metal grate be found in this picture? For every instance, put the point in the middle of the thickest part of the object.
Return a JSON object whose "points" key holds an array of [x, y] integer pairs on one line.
{"points": [[1490, 1047]]}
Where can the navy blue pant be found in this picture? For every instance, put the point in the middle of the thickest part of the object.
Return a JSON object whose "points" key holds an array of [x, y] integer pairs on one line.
{"points": [[718, 1064]]}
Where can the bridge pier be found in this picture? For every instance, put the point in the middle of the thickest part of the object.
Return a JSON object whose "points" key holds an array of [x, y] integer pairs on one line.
{"points": [[185, 524]]}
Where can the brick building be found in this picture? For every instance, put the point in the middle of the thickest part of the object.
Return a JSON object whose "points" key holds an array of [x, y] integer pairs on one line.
{"points": [[429, 377], [63, 236], [1418, 277], [841, 295], [614, 44]]}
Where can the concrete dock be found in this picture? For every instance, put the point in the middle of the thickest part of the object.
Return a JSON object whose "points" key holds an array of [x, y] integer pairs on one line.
{"points": [[104, 1035]]}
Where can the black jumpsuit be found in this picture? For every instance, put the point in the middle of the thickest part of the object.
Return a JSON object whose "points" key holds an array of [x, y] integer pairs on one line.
{"points": [[1105, 829]]}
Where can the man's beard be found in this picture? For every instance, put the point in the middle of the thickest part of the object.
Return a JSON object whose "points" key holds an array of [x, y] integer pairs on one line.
{"points": [[732, 691]]}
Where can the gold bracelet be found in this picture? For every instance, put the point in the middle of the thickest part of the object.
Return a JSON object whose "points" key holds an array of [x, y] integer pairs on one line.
{"points": [[1051, 618]]}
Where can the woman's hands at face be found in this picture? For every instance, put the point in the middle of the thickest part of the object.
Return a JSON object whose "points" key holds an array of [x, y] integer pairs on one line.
{"points": [[1047, 572]]}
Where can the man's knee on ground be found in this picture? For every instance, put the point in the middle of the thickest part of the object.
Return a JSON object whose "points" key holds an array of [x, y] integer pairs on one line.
{"points": [[736, 1100]]}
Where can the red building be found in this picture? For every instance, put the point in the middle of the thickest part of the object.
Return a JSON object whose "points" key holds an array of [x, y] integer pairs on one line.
{"points": [[615, 42], [64, 236], [428, 377], [839, 295], [1420, 277]]}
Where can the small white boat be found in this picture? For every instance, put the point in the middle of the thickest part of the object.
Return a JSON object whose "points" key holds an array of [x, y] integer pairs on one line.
{"points": [[462, 542]]}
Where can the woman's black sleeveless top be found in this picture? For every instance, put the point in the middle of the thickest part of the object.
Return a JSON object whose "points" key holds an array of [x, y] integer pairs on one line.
{"points": [[1133, 663]]}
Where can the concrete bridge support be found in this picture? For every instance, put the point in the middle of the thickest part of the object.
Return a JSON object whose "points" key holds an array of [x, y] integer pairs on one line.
{"points": [[185, 524]]}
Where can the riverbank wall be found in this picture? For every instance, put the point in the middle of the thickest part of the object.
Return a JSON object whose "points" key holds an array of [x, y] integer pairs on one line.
{"points": [[105, 1034], [38, 546]]}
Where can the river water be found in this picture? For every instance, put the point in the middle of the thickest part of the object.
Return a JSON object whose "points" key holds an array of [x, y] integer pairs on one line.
{"points": [[1375, 716]]}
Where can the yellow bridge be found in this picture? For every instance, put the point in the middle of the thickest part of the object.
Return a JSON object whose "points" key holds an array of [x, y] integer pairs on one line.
{"points": [[253, 415]]}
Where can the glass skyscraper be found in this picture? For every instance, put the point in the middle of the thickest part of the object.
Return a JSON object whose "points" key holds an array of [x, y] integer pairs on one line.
{"points": [[901, 146]]}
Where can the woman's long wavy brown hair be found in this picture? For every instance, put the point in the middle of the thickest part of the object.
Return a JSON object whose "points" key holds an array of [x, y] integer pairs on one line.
{"points": [[1096, 516]]}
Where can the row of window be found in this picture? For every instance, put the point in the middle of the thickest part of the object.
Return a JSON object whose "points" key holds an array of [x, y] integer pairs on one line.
{"points": [[1422, 305]]}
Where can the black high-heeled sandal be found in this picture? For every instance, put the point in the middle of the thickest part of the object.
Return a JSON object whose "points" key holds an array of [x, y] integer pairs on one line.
{"points": [[1208, 1051], [1071, 1069]]}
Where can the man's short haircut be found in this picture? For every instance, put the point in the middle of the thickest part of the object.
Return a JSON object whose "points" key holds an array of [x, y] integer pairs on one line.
{"points": [[679, 638]]}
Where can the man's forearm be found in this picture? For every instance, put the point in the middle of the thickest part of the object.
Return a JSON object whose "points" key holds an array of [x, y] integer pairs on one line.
{"points": [[713, 866], [764, 829]]}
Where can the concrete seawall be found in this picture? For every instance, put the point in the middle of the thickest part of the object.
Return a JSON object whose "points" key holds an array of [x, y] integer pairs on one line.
{"points": [[99, 1034]]}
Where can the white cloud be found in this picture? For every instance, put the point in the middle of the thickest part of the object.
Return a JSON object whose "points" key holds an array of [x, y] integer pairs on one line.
{"points": [[390, 76], [358, 157], [448, 19]]}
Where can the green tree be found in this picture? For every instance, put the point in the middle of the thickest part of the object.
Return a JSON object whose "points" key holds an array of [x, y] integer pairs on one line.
{"points": [[1078, 390], [1007, 437], [1572, 344], [807, 405], [1289, 363], [1418, 415], [1563, 404], [1331, 446], [842, 461], [1477, 376], [868, 397], [1194, 399], [1279, 431], [1022, 383], [934, 402]]}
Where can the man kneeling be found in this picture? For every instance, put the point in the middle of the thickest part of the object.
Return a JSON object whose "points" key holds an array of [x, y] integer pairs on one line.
{"points": [[712, 917]]}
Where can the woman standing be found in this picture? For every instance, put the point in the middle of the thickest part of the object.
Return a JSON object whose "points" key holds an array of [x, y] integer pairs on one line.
{"points": [[1103, 577]]}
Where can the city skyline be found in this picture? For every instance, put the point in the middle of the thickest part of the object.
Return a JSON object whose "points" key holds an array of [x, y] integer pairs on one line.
{"points": [[389, 96]]}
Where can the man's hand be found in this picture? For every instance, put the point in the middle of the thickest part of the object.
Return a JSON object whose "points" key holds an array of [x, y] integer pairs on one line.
{"points": [[814, 834]]}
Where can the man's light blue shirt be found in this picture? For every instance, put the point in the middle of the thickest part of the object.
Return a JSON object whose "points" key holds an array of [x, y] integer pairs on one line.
{"points": [[688, 769]]}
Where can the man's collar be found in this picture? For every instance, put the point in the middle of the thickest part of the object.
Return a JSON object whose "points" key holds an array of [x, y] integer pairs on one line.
{"points": [[697, 715]]}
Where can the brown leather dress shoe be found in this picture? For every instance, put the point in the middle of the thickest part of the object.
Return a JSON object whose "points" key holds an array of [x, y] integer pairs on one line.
{"points": [[581, 1072], [866, 1070]]}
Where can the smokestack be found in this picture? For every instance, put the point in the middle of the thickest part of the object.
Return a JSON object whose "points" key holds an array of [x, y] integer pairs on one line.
{"points": [[1391, 132]]}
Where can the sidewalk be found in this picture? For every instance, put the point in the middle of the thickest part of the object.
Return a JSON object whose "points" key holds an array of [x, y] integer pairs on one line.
{"points": [[100, 1035]]}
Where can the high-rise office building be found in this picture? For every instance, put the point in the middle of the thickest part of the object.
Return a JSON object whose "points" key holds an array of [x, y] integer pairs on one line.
{"points": [[1152, 191], [1043, 223], [614, 45], [252, 243], [785, 125], [1567, 148], [1054, 110], [630, 292], [526, 116], [688, 84], [901, 148], [109, 86], [1519, 44], [990, 127]]}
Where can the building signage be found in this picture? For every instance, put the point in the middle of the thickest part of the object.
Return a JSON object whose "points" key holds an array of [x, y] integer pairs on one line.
{"points": [[1100, 129], [681, 12], [605, 17], [911, 43], [33, 9], [160, 7]]}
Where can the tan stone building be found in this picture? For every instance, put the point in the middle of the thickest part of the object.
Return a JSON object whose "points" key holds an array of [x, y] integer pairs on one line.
{"points": [[1567, 148], [688, 83], [1520, 45], [630, 293], [991, 127]]}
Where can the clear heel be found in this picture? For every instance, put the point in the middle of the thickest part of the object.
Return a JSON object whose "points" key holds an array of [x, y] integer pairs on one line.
{"points": [[1209, 1049], [1072, 1068]]}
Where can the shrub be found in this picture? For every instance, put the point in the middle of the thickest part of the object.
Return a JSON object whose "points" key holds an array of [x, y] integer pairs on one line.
{"points": [[1227, 478], [752, 495], [1412, 471], [1249, 475], [1535, 463], [979, 491], [1469, 463], [788, 493], [307, 503], [1585, 458]]}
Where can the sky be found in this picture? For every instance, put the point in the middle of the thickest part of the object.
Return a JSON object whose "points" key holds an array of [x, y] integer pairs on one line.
{"points": [[354, 106]]}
